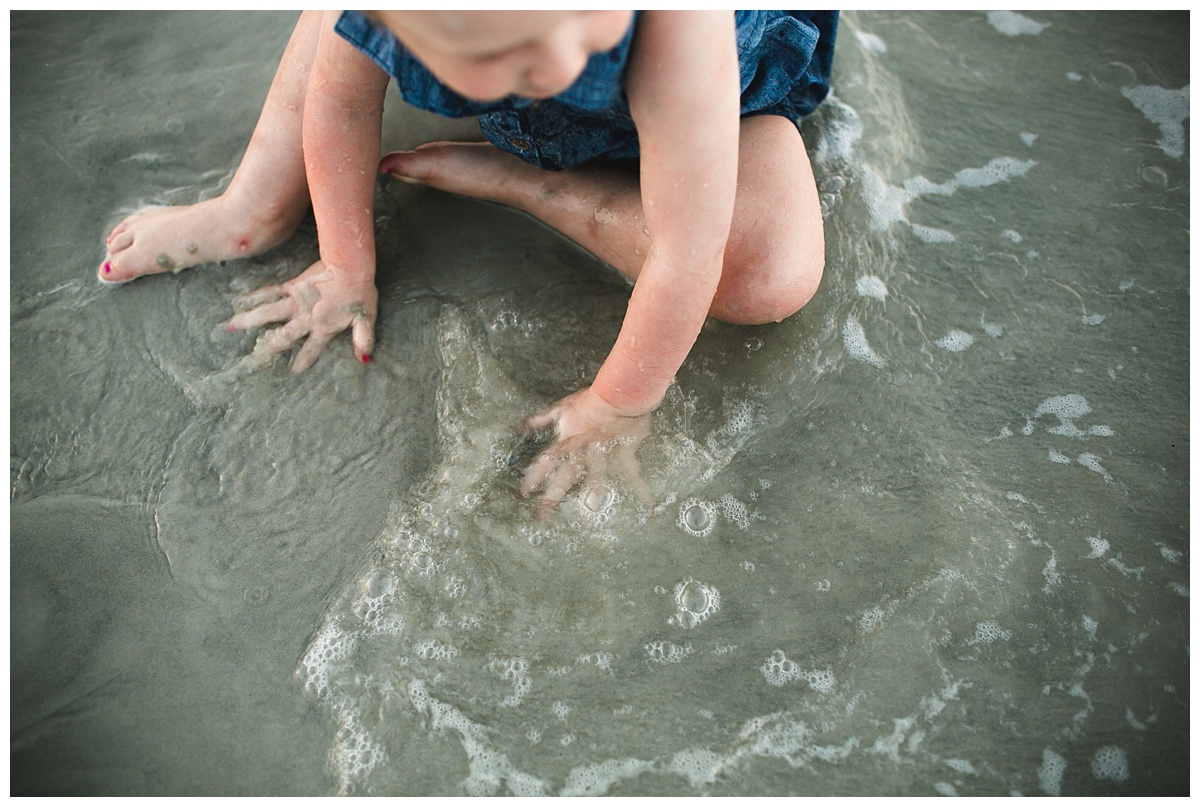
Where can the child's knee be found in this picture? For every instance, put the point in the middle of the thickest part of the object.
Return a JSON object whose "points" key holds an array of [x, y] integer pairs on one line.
{"points": [[768, 286]]}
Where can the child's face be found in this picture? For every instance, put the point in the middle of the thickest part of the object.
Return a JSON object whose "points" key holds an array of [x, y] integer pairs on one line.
{"points": [[487, 55]]}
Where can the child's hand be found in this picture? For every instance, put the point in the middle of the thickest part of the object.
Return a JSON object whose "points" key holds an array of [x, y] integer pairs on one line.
{"points": [[591, 436], [320, 303]]}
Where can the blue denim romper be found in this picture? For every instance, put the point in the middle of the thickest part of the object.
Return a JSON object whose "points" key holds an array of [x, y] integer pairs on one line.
{"points": [[784, 60]]}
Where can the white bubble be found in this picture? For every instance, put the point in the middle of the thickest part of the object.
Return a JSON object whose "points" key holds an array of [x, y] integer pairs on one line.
{"points": [[1110, 762], [1028, 138], [695, 602], [378, 585], [1093, 319], [855, 340], [1012, 235], [956, 341], [597, 499], [932, 235], [1010, 23], [697, 517], [871, 286], [422, 563], [870, 43], [1074, 76]]}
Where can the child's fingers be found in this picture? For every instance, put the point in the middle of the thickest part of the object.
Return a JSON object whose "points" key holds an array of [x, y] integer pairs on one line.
{"points": [[253, 299], [564, 477], [537, 473], [363, 337], [307, 355], [273, 312], [543, 421], [282, 339]]}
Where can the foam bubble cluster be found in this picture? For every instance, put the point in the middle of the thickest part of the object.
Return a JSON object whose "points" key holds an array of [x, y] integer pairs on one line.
{"points": [[329, 646], [1167, 109], [517, 671], [987, 632], [956, 341], [662, 652], [734, 511], [870, 621], [1068, 408], [1050, 772], [1092, 463], [779, 670], [871, 286], [434, 650], [1111, 763], [597, 778], [886, 202], [855, 339]]}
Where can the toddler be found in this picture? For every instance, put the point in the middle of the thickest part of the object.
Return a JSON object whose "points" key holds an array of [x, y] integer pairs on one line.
{"points": [[720, 218]]}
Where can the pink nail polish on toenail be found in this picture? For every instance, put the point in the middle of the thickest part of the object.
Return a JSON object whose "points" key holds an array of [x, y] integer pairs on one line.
{"points": [[107, 268], [366, 358]]}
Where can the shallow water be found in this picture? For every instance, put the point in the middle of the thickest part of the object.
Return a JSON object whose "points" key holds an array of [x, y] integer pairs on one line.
{"points": [[929, 536]]}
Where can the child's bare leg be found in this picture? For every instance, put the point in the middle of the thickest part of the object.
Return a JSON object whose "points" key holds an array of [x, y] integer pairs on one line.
{"points": [[264, 203], [776, 250]]}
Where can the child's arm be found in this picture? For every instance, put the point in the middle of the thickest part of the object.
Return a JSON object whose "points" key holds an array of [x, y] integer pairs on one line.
{"points": [[343, 111], [683, 89]]}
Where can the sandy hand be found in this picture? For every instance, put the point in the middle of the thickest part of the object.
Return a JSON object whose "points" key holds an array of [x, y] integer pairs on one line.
{"points": [[592, 439], [318, 304]]}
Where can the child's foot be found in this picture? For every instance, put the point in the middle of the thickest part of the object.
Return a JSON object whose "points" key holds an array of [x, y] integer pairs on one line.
{"points": [[170, 239], [478, 170]]}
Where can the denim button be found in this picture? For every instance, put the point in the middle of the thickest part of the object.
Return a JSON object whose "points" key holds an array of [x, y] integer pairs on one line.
{"points": [[519, 143]]}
